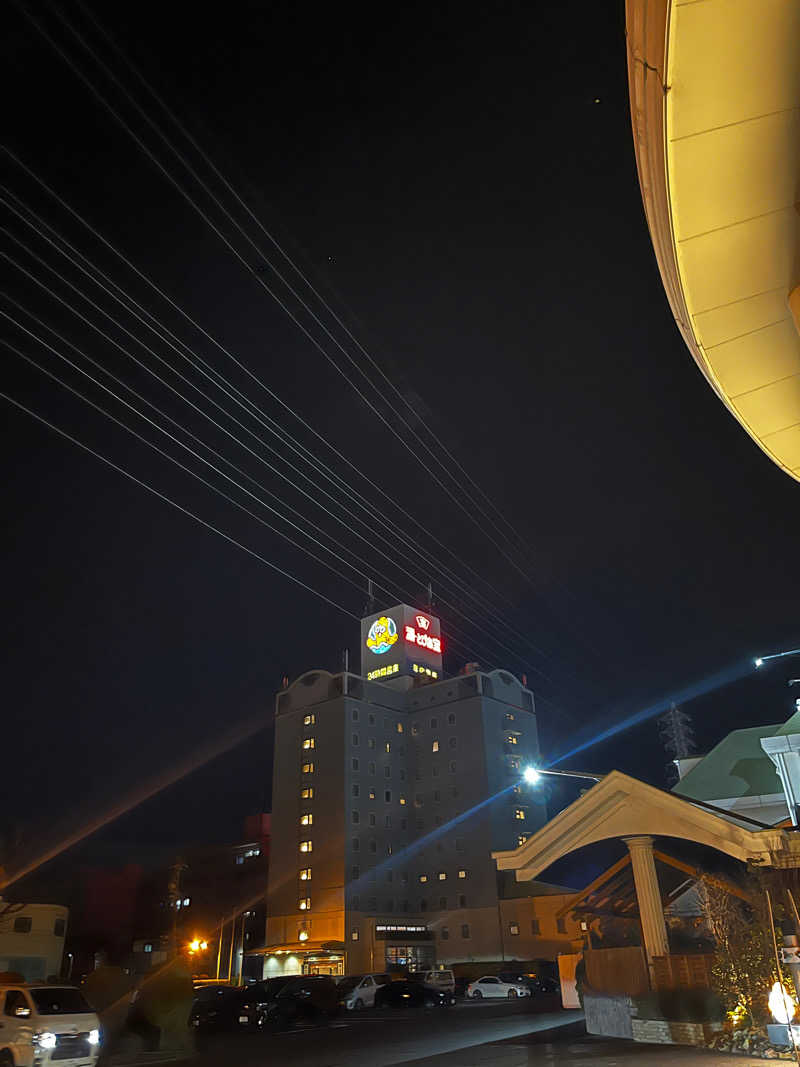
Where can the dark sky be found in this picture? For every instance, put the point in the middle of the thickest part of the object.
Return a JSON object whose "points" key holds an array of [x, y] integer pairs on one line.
{"points": [[461, 187]]}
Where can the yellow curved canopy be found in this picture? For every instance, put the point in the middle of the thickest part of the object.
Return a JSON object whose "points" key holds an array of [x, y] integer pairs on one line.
{"points": [[715, 104]]}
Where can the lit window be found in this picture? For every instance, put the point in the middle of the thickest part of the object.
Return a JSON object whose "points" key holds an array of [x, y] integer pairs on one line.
{"points": [[414, 729], [240, 859], [442, 876], [187, 901], [515, 763], [521, 839], [512, 739], [509, 716], [307, 793], [435, 746], [308, 768], [304, 904], [423, 878], [399, 727], [148, 947], [513, 928], [519, 813], [389, 850], [305, 874], [388, 746], [462, 873], [372, 794], [309, 720], [307, 819], [402, 800], [308, 742], [354, 935], [306, 846]]}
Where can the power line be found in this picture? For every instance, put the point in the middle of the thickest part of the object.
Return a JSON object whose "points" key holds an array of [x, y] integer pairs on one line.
{"points": [[177, 185], [270, 237]]}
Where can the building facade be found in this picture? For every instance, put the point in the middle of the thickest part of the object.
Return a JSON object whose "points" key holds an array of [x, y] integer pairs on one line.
{"points": [[32, 939], [389, 797]]}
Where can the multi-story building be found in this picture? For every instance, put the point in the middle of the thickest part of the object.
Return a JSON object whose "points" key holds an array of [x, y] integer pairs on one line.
{"points": [[391, 789]]}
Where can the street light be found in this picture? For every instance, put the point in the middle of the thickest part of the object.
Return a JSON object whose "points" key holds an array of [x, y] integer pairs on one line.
{"points": [[532, 775], [759, 661]]}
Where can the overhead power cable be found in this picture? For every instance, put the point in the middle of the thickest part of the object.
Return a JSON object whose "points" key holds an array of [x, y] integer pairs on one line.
{"points": [[79, 265], [206, 218], [181, 127]]}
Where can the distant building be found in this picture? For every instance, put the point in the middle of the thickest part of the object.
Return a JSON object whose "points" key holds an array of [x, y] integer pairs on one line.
{"points": [[391, 789], [32, 939]]}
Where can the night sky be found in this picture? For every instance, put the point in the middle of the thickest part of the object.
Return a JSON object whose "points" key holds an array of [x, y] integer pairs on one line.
{"points": [[461, 188]]}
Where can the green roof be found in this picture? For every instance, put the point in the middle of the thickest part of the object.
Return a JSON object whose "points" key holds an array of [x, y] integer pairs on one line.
{"points": [[736, 767]]}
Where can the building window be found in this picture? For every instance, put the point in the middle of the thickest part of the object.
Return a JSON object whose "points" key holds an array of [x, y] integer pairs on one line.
{"points": [[147, 948], [355, 817], [414, 729], [444, 933], [306, 846], [355, 714], [512, 739], [388, 746], [515, 763], [389, 876], [451, 719], [371, 718], [399, 727], [370, 742], [437, 795], [389, 850], [442, 903], [519, 813], [372, 768], [355, 903], [373, 845], [509, 716], [307, 793], [356, 789], [354, 740], [309, 742], [452, 766], [307, 819], [372, 820], [418, 800], [435, 746], [387, 772], [390, 905], [462, 901], [309, 720], [355, 872], [308, 768], [420, 824], [435, 770], [354, 934], [404, 824], [305, 874], [304, 904], [442, 876], [423, 878], [521, 839], [434, 723], [372, 903], [536, 927], [561, 925], [453, 791], [465, 930], [239, 859], [355, 844], [402, 774], [355, 763], [459, 844], [372, 794], [402, 800], [60, 927], [387, 796], [22, 924], [423, 904], [513, 928], [387, 822], [453, 742]]}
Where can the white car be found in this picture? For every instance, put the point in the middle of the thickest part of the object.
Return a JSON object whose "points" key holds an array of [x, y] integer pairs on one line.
{"points": [[491, 986], [44, 1024], [358, 991]]}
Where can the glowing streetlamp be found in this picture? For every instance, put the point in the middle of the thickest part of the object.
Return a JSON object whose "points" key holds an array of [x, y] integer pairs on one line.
{"points": [[533, 775]]}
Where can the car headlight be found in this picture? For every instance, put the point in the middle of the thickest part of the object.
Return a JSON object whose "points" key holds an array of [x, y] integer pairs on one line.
{"points": [[94, 1037], [45, 1039]]}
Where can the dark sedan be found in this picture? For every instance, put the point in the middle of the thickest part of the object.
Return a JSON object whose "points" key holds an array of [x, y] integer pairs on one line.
{"points": [[215, 1007], [413, 995], [256, 998], [313, 998]]}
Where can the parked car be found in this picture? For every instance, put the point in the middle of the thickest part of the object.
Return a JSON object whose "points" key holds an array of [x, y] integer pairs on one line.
{"points": [[215, 1007], [492, 986], [408, 994], [442, 979], [538, 984], [461, 986], [43, 1024], [255, 998], [357, 991], [313, 997]]}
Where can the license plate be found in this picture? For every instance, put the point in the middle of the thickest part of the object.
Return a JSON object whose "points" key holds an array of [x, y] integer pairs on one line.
{"points": [[244, 1019]]}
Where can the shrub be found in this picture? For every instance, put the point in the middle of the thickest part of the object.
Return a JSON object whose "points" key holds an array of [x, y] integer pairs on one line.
{"points": [[680, 1006]]}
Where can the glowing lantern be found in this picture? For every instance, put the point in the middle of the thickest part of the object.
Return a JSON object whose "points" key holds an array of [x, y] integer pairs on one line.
{"points": [[782, 1004]]}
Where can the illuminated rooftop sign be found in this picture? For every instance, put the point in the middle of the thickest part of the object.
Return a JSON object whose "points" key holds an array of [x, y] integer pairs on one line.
{"points": [[413, 638]]}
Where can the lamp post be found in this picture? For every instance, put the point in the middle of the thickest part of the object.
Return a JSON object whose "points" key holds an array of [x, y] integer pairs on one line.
{"points": [[533, 774]]}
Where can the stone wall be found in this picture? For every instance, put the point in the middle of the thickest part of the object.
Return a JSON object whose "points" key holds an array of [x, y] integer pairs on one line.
{"points": [[662, 1032], [607, 1015]]}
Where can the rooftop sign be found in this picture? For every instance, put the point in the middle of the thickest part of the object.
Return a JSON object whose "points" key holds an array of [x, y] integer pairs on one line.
{"points": [[401, 641]]}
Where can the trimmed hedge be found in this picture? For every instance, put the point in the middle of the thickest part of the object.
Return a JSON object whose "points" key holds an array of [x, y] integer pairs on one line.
{"points": [[680, 1006]]}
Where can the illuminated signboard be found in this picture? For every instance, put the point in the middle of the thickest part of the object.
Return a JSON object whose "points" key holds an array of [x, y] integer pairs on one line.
{"points": [[401, 641]]}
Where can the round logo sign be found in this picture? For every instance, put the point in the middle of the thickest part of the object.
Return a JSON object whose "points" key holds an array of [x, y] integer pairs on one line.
{"points": [[382, 635]]}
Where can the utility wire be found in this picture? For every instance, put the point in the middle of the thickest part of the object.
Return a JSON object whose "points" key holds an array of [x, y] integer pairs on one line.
{"points": [[204, 215], [83, 295], [274, 242], [45, 344]]}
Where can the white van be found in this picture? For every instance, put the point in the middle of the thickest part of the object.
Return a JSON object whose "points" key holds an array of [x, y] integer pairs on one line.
{"points": [[357, 991], [44, 1024], [445, 980]]}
